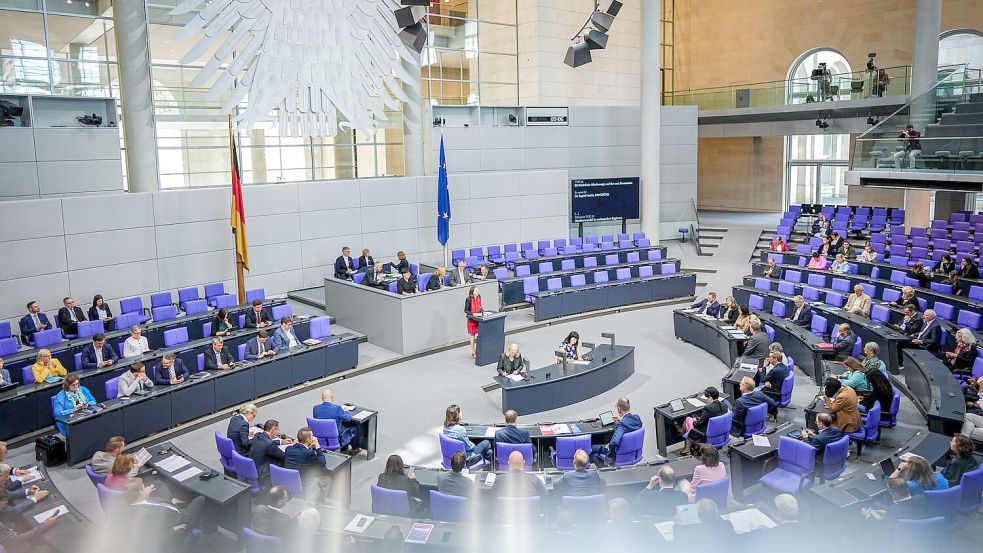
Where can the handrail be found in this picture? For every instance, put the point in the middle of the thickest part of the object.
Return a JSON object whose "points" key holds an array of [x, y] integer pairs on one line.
{"points": [[932, 89]]}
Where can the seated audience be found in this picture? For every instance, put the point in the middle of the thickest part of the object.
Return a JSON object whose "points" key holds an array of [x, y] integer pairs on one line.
{"points": [[660, 497], [511, 434], [839, 265], [968, 269], [826, 249], [776, 372], [436, 281], [960, 360], [347, 429], [365, 261], [825, 434], [868, 255], [728, 312], [5, 379], [222, 323], [858, 302], [570, 347], [170, 371], [28, 541], [627, 422], [743, 321], [284, 338], [218, 358], [817, 261], [842, 403], [708, 305], [844, 342], [579, 481], [98, 354], [264, 448], [454, 429], [945, 265], [836, 243], [749, 398], [854, 376], [72, 398], [973, 423], [395, 478], [453, 482], [102, 461], [46, 366], [919, 273], [401, 263], [460, 275], [930, 335], [133, 380], [405, 286], [697, 432], [34, 321], [344, 266], [920, 476], [376, 278], [757, 343], [515, 482], [258, 316], [119, 474], [952, 280], [238, 430], [907, 298], [772, 270], [270, 520], [912, 322], [962, 459], [512, 362], [779, 245], [708, 471], [483, 273], [904, 504], [158, 526], [802, 315], [70, 316], [848, 251], [259, 347], [305, 455], [135, 344], [712, 528], [100, 311]]}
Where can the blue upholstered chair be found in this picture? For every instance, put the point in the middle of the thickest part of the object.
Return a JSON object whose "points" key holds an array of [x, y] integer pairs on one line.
{"points": [[450, 446], [834, 458], [971, 485], [195, 307], [870, 431], [718, 429], [160, 299], [246, 471], [630, 450], [213, 291], [225, 449], [566, 446], [164, 313], [45, 338], [112, 388], [134, 305], [94, 476], [254, 542], [255, 294], [717, 491], [90, 328], [390, 502], [503, 450], [586, 508], [288, 479], [754, 420], [326, 432], [184, 295], [175, 336], [108, 499], [448, 508], [796, 461]]}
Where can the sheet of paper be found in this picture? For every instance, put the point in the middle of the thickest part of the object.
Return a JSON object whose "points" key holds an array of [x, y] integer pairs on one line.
{"points": [[469, 475], [578, 362], [490, 431], [515, 377], [141, 457], [749, 366], [665, 528], [419, 533], [172, 463], [57, 511], [760, 441], [691, 310], [253, 430], [361, 415], [490, 479], [187, 473], [748, 520], [348, 407], [542, 478], [359, 524], [728, 327], [33, 475], [561, 429], [695, 402]]}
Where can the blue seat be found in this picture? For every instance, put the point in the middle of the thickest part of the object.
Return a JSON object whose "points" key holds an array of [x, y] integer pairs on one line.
{"points": [[90, 328], [134, 305], [754, 420], [630, 450], [326, 432], [834, 458], [94, 476], [390, 502], [718, 429], [280, 311], [944, 503], [566, 446], [449, 508], [225, 449], [195, 307], [796, 461], [785, 396], [160, 299], [246, 471], [213, 291], [184, 295], [717, 491], [8, 346], [175, 336], [45, 338], [108, 499], [586, 508], [255, 294], [288, 479], [450, 446], [971, 485], [164, 313], [254, 542], [870, 430], [112, 388], [503, 450]]}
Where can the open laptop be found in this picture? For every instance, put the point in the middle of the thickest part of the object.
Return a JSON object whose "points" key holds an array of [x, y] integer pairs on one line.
{"points": [[606, 417], [888, 467]]}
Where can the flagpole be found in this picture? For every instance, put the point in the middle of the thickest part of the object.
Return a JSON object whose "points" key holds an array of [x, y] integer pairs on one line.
{"points": [[240, 277]]}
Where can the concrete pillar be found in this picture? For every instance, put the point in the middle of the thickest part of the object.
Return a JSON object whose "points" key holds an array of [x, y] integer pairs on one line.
{"points": [[136, 94], [947, 201], [916, 205], [925, 60], [413, 120], [651, 105]]}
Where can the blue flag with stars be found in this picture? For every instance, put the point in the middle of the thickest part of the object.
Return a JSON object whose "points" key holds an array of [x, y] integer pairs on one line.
{"points": [[443, 200]]}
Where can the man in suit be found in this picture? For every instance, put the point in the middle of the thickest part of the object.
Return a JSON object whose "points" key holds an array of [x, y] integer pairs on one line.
{"points": [[218, 357], [238, 430], [912, 322], [512, 434], [29, 541], [305, 455], [708, 305], [70, 316], [774, 378], [749, 398], [347, 431], [170, 370], [269, 518], [258, 316], [827, 434], [931, 333], [454, 482], [157, 526], [98, 354], [375, 277], [259, 347], [660, 497], [712, 529], [757, 344], [461, 275], [627, 422], [580, 481], [284, 337], [835, 244], [516, 482], [844, 342], [858, 303], [714, 408], [344, 266], [265, 448], [34, 321], [802, 315]]}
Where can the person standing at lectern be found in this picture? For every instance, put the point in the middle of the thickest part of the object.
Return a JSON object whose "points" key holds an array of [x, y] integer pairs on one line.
{"points": [[473, 310]]}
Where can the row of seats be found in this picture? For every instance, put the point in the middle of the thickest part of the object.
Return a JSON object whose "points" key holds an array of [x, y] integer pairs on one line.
{"points": [[530, 285], [546, 248]]}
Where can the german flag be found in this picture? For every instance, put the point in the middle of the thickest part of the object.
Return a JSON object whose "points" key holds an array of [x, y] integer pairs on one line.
{"points": [[238, 219]]}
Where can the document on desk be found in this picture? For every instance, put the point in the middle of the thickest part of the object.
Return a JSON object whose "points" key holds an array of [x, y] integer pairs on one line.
{"points": [[578, 362], [561, 429], [515, 377], [359, 524], [141, 457], [419, 532], [748, 520], [695, 402], [172, 463], [760, 441], [728, 327], [33, 475], [490, 431], [57, 511], [362, 415], [490, 479], [691, 310], [665, 528], [187, 473]]}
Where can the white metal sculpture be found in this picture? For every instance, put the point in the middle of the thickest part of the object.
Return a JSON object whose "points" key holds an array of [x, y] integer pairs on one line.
{"points": [[302, 63]]}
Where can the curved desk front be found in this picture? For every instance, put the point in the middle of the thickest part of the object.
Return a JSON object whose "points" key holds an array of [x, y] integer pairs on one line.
{"points": [[935, 392], [708, 334], [544, 435], [551, 387]]}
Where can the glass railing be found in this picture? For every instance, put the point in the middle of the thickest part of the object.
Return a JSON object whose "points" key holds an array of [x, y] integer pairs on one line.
{"points": [[949, 139], [839, 87]]}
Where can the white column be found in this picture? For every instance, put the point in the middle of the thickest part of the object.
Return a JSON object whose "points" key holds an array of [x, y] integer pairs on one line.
{"points": [[651, 108], [413, 120], [925, 60], [136, 94]]}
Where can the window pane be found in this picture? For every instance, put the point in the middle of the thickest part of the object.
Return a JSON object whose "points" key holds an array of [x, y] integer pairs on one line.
{"points": [[102, 8], [21, 4], [22, 34], [80, 78], [79, 38], [440, 12]]}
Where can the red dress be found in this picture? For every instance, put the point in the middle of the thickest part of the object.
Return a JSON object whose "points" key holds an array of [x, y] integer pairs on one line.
{"points": [[475, 308]]}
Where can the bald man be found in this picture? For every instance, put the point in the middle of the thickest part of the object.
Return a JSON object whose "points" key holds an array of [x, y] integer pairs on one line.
{"points": [[515, 482], [347, 430]]}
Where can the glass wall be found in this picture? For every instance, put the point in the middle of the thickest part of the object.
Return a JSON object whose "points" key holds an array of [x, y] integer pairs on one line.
{"points": [[816, 167]]}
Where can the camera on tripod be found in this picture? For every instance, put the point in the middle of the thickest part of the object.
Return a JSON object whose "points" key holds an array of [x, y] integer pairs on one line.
{"points": [[870, 61]]}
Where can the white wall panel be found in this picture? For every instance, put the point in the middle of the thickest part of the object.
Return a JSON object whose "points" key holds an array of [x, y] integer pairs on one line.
{"points": [[39, 256], [196, 269], [17, 144], [108, 212], [25, 219], [270, 199], [327, 223], [285, 280], [679, 134], [547, 158], [544, 205], [678, 153], [388, 191], [494, 185], [461, 160], [626, 155], [320, 195], [323, 251], [494, 209], [590, 136], [383, 218], [73, 177], [273, 229], [274, 258], [590, 116], [188, 206], [67, 144], [503, 160], [627, 136], [46, 289], [544, 227], [543, 182], [548, 137], [501, 137], [109, 248], [115, 281], [384, 245], [190, 238], [19, 179]]}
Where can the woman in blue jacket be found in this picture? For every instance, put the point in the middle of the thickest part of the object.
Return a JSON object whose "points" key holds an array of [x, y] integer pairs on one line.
{"points": [[72, 398]]}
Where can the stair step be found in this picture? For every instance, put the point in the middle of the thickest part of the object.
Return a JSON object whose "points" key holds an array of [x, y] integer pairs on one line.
{"points": [[962, 119], [971, 107], [711, 229], [976, 97]]}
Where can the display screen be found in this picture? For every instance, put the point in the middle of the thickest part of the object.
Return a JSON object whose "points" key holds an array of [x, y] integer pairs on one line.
{"points": [[604, 199]]}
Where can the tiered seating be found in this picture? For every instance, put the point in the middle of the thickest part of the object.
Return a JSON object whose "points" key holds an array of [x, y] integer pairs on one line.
{"points": [[844, 219], [508, 253]]}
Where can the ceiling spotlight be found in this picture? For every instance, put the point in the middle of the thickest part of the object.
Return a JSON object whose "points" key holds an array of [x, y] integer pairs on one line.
{"points": [[593, 34], [602, 21], [596, 40], [411, 18], [611, 7], [577, 54]]}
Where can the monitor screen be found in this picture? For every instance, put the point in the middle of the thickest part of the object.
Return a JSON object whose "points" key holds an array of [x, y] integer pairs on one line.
{"points": [[604, 199]]}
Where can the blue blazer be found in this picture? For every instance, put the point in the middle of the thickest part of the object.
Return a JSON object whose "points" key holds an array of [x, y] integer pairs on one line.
{"points": [[748, 401], [238, 432], [161, 376], [931, 337], [805, 316], [823, 439], [776, 376], [27, 328], [301, 458], [262, 450], [252, 348], [512, 435], [579, 483], [89, 355], [713, 309], [328, 410], [280, 340], [628, 423], [63, 407]]}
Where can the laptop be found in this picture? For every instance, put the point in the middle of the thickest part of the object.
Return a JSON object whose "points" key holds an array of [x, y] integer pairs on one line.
{"points": [[606, 417], [676, 405], [888, 467]]}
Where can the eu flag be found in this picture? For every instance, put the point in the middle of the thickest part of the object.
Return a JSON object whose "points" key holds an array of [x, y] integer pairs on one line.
{"points": [[443, 200]]}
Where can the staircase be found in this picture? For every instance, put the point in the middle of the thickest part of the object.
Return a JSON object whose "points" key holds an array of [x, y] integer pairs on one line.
{"points": [[708, 240]]}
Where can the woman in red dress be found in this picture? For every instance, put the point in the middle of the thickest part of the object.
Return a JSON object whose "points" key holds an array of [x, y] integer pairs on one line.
{"points": [[472, 308]]}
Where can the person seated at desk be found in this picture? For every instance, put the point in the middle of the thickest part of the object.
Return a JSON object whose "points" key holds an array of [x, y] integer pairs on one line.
{"points": [[842, 403], [570, 347], [802, 315], [779, 245], [912, 322], [775, 375], [826, 434], [904, 504], [453, 482], [347, 430], [454, 429], [973, 423], [749, 398], [957, 286], [222, 323], [405, 286], [401, 263], [159, 526], [46, 366], [264, 448], [660, 497], [70, 316], [839, 265], [728, 312], [4, 377], [743, 321], [73, 398], [919, 475], [848, 251], [305, 455], [135, 344], [100, 311], [826, 248], [858, 302], [473, 312], [20, 498], [284, 337], [395, 478], [344, 266], [919, 273], [931, 333], [436, 281], [698, 426], [960, 361], [375, 277], [868, 255], [789, 529], [907, 298], [843, 342], [968, 269], [776, 347], [772, 270], [483, 273], [512, 362], [579, 481], [817, 262], [708, 305], [708, 471], [98, 354], [757, 343], [944, 266], [270, 520], [461, 275], [102, 461], [259, 347], [218, 357], [238, 430], [517, 483], [23, 542], [258, 316], [34, 321], [133, 381], [366, 261], [712, 529], [125, 468], [627, 422], [836, 243], [170, 371], [511, 434], [855, 376], [961, 459]]}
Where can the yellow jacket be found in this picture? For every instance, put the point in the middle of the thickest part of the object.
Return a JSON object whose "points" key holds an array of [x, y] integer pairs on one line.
{"points": [[42, 372]]}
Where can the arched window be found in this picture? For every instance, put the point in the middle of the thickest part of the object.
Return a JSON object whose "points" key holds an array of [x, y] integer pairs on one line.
{"points": [[800, 86], [961, 46]]}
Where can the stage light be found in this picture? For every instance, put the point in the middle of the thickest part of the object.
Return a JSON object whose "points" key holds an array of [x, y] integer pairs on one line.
{"points": [[596, 40], [578, 54]]}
